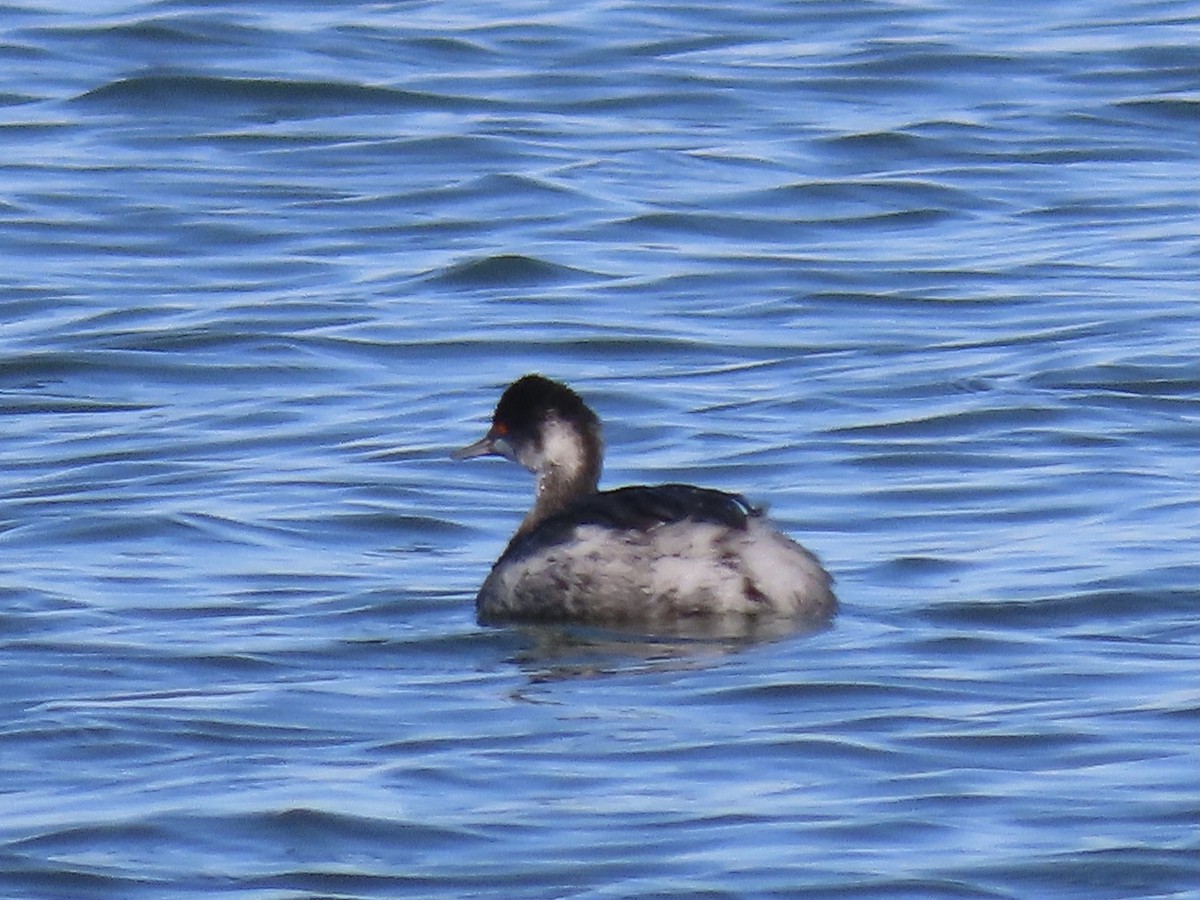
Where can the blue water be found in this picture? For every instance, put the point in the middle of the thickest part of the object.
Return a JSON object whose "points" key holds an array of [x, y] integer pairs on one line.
{"points": [[922, 278]]}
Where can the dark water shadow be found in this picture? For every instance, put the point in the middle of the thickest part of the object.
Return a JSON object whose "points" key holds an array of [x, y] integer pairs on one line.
{"points": [[560, 652]]}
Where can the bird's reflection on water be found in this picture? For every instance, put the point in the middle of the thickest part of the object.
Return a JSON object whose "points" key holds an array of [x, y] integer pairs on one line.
{"points": [[559, 652]]}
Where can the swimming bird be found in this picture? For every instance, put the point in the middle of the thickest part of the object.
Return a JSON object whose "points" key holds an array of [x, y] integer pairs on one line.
{"points": [[652, 555]]}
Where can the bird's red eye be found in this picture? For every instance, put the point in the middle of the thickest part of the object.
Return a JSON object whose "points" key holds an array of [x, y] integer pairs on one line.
{"points": [[499, 429]]}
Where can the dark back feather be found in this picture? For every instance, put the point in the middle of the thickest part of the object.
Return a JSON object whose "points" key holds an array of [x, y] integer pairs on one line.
{"points": [[635, 508]]}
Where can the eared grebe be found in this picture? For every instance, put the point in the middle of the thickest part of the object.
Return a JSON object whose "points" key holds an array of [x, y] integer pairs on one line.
{"points": [[632, 555]]}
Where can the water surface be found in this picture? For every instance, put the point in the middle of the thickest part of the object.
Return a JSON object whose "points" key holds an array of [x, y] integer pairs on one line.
{"points": [[921, 279]]}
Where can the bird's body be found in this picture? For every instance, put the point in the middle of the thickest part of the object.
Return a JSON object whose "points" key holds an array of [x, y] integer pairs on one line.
{"points": [[640, 554]]}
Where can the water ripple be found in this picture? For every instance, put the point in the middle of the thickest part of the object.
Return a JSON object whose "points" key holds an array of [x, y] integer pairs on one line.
{"points": [[919, 278]]}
